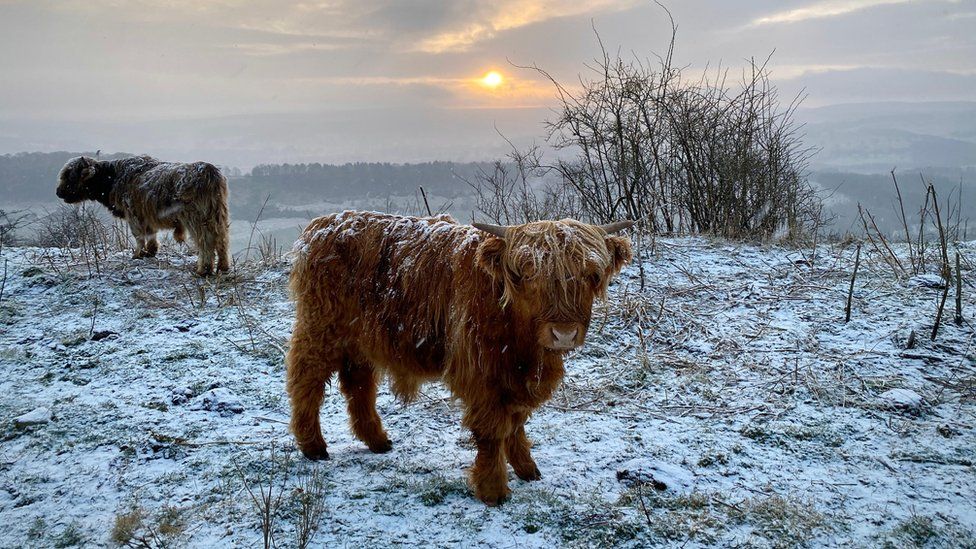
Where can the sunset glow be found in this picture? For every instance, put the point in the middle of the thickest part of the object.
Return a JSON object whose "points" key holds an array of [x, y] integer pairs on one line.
{"points": [[492, 79]]}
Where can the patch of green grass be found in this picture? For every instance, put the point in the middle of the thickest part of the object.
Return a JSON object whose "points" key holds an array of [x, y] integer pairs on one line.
{"points": [[37, 529], [7, 313], [708, 460], [675, 517], [784, 521], [928, 531], [787, 434], [71, 536], [435, 490], [585, 520], [708, 518], [157, 404]]}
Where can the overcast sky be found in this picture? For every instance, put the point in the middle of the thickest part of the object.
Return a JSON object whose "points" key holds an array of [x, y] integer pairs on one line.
{"points": [[120, 61]]}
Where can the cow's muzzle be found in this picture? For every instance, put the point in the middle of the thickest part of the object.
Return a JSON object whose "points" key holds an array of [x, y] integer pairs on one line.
{"points": [[563, 336]]}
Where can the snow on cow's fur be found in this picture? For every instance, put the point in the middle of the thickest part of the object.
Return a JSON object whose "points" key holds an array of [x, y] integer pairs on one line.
{"points": [[491, 313], [152, 195]]}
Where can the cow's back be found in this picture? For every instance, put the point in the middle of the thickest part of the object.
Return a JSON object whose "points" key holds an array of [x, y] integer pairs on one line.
{"points": [[381, 285]]}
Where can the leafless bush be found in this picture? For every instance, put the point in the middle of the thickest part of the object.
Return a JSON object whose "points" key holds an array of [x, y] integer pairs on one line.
{"points": [[930, 223], [945, 229], [267, 492], [10, 222], [309, 498], [81, 235], [516, 191], [646, 143]]}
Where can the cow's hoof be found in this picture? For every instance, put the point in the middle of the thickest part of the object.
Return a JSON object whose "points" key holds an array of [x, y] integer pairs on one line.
{"points": [[493, 500], [381, 447], [315, 454], [493, 497], [529, 474]]}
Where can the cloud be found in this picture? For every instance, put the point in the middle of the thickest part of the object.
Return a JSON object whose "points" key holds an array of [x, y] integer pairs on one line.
{"points": [[820, 10], [511, 14], [792, 72]]}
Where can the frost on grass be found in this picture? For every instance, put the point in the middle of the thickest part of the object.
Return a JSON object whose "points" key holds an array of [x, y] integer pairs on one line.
{"points": [[723, 401]]}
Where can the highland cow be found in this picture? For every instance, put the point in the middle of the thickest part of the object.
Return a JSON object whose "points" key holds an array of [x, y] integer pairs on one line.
{"points": [[152, 195], [489, 310]]}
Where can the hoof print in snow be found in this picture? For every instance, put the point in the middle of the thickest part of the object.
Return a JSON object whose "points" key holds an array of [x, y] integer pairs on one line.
{"points": [[902, 399], [218, 400], [39, 416], [657, 474]]}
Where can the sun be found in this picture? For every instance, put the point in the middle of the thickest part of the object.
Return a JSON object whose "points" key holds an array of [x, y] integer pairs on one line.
{"points": [[492, 79]]}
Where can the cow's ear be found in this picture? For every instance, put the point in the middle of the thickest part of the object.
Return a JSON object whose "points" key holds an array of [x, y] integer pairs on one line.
{"points": [[620, 251], [490, 254]]}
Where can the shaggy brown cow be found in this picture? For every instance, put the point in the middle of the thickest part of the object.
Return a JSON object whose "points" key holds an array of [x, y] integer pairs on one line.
{"points": [[490, 311], [153, 195]]}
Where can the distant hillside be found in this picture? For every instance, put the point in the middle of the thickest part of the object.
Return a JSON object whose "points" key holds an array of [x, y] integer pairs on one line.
{"points": [[875, 137], [845, 190]]}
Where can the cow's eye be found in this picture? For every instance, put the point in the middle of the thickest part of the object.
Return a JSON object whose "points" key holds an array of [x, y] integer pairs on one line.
{"points": [[594, 279]]}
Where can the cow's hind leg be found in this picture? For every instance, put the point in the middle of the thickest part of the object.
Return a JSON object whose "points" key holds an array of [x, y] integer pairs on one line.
{"points": [[204, 236], [517, 449], [358, 383], [311, 364], [179, 233], [145, 241], [152, 246]]}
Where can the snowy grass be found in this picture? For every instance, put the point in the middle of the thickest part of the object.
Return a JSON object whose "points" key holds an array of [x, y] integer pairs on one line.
{"points": [[720, 401]]}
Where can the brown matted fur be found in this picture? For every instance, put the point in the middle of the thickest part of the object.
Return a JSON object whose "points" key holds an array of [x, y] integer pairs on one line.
{"points": [[419, 299], [153, 195]]}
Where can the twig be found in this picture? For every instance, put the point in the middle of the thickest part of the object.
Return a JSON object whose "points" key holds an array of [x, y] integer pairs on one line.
{"points": [[91, 331], [254, 226], [958, 291], [850, 292], [426, 204], [904, 223], [3, 284]]}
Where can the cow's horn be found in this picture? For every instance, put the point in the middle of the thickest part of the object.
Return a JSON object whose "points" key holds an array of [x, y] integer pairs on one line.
{"points": [[497, 230], [611, 228]]}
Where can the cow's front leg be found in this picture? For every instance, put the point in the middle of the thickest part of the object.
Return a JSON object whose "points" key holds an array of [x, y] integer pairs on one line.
{"points": [[489, 425], [517, 449], [488, 475]]}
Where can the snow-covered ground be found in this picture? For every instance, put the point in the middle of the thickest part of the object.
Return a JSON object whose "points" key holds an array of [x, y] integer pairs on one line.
{"points": [[724, 402]]}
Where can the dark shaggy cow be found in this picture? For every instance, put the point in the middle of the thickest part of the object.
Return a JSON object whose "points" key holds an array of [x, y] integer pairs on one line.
{"points": [[153, 195], [490, 312]]}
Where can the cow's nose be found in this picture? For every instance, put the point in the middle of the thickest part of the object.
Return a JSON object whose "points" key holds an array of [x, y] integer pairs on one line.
{"points": [[565, 339]]}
